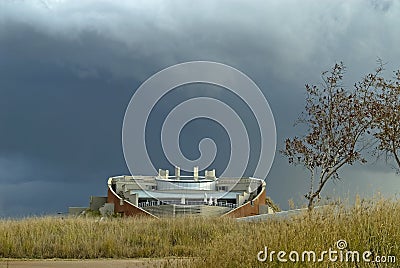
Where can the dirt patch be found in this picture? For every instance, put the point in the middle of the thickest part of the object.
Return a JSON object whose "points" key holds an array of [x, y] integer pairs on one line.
{"points": [[103, 263]]}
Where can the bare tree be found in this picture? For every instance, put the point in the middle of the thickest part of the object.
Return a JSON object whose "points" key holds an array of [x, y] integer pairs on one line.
{"points": [[387, 123], [337, 122]]}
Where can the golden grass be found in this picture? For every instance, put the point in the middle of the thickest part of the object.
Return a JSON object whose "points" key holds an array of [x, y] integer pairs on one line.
{"points": [[213, 242]]}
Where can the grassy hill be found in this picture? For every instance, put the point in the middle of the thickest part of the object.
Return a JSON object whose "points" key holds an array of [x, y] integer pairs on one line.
{"points": [[372, 225]]}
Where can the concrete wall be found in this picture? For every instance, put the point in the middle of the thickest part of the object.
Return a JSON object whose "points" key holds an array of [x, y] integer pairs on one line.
{"points": [[242, 185], [134, 199], [97, 202], [241, 198], [107, 209], [265, 209]]}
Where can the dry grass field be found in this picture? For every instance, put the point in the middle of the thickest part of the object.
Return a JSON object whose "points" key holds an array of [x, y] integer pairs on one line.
{"points": [[372, 226]]}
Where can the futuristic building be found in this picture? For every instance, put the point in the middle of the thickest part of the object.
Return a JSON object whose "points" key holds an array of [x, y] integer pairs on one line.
{"points": [[171, 196]]}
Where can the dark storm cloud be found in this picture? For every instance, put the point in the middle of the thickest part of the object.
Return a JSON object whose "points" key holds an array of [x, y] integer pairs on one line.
{"points": [[69, 68], [49, 112]]}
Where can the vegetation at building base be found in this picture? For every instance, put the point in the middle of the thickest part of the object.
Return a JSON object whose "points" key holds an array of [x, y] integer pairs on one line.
{"points": [[275, 207], [212, 242]]}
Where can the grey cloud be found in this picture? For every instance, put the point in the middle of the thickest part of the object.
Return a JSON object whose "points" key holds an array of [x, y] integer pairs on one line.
{"points": [[291, 35]]}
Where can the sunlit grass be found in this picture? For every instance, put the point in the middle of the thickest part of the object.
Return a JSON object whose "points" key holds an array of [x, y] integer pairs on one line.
{"points": [[213, 242]]}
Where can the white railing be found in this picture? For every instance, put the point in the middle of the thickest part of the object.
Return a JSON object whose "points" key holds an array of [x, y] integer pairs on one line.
{"points": [[189, 203]]}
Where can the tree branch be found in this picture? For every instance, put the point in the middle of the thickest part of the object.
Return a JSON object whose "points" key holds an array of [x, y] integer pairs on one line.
{"points": [[395, 154]]}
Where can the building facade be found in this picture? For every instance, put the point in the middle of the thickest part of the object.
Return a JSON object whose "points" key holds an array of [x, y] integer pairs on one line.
{"points": [[173, 196]]}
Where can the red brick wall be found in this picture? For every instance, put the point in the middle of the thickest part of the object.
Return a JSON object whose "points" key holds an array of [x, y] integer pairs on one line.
{"points": [[126, 209], [248, 209]]}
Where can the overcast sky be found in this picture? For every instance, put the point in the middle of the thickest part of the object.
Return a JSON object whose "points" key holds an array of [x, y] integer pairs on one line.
{"points": [[69, 68]]}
